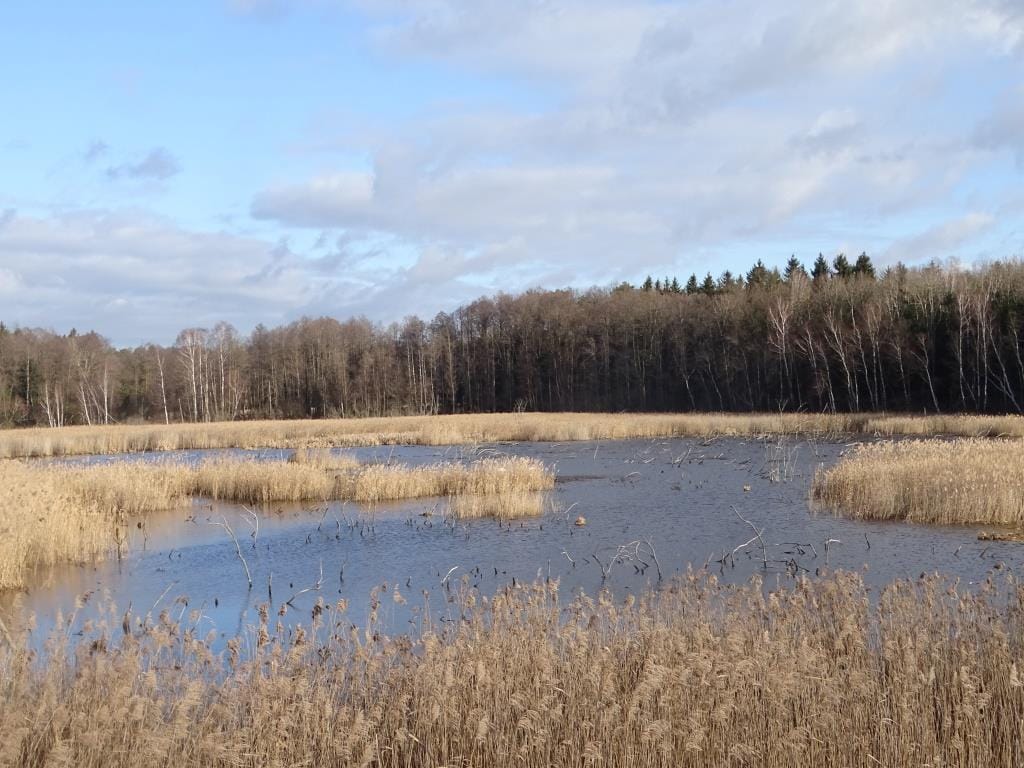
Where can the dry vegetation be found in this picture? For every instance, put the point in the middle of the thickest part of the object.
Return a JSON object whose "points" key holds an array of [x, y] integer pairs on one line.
{"points": [[698, 674], [51, 514], [481, 428], [959, 481], [31, 536]]}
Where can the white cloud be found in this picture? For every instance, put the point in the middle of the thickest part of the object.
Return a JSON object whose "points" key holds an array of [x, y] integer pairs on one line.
{"points": [[10, 282], [940, 241], [677, 129], [620, 137], [137, 278]]}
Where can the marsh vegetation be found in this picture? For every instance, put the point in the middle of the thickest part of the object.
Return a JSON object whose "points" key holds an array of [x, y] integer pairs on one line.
{"points": [[661, 632], [474, 429], [966, 481], [820, 673], [66, 513]]}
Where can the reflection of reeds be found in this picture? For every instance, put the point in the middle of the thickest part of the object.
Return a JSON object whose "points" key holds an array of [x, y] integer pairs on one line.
{"points": [[51, 514], [697, 674], [960, 481], [469, 429]]}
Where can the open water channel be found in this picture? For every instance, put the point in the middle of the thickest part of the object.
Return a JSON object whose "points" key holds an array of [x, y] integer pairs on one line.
{"points": [[649, 505]]}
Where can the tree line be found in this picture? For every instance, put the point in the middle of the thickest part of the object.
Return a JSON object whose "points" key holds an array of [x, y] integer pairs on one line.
{"points": [[837, 337]]}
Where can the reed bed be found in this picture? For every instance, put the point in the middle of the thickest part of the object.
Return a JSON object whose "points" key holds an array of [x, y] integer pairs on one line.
{"points": [[75, 514], [480, 428], [323, 458], [504, 506], [697, 674], [137, 488], [29, 534], [964, 481], [484, 477]]}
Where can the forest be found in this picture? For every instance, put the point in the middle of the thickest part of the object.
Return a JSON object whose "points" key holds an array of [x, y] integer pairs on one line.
{"points": [[835, 338]]}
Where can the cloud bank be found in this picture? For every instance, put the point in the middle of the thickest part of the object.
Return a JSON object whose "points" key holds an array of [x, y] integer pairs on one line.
{"points": [[617, 138]]}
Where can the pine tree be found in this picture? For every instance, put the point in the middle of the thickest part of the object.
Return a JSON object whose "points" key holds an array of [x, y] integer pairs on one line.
{"points": [[820, 270], [675, 287], [794, 268], [841, 266], [691, 285], [726, 281], [648, 285], [657, 285], [708, 286], [758, 275], [864, 266]]}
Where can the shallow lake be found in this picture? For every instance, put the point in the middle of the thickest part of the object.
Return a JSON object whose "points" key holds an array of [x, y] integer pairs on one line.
{"points": [[682, 498]]}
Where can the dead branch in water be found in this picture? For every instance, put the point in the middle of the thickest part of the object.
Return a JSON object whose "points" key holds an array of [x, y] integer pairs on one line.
{"points": [[632, 552], [224, 524], [315, 588], [757, 535]]}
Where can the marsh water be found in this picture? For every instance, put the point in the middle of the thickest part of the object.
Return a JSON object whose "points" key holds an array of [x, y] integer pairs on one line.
{"points": [[649, 506]]}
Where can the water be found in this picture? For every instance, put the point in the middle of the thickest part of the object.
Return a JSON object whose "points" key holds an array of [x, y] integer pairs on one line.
{"points": [[688, 502]]}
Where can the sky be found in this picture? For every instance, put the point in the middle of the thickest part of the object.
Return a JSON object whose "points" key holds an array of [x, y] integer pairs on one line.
{"points": [[172, 165]]}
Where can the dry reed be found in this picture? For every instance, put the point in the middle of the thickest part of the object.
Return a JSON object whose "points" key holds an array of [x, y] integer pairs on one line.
{"points": [[324, 458], [43, 522], [51, 514], [698, 674], [959, 481], [470, 429], [504, 506]]}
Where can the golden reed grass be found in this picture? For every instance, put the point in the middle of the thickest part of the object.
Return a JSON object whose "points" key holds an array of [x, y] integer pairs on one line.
{"points": [[74, 514], [43, 522], [698, 674], [479, 428], [960, 481]]}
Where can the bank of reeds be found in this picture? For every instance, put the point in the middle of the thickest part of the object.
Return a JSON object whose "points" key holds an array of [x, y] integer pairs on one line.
{"points": [[480, 428], [960, 481], [136, 488], [698, 674], [44, 522], [506, 505], [51, 514], [324, 458]]}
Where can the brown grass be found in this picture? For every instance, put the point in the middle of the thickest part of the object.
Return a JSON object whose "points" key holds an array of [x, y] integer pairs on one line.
{"points": [[471, 429], [75, 514], [697, 675], [961, 481], [504, 506], [43, 522], [323, 458]]}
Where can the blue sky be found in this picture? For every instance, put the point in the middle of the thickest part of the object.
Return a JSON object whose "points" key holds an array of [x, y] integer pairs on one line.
{"points": [[171, 165]]}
